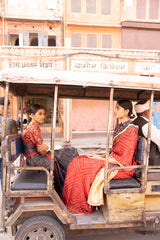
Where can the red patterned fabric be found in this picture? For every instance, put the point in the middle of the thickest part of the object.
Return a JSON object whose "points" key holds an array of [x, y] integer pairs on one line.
{"points": [[124, 146], [80, 175], [32, 135], [82, 170], [31, 138]]}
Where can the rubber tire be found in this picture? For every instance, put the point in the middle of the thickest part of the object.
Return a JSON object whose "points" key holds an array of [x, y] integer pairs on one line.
{"points": [[11, 127], [39, 222]]}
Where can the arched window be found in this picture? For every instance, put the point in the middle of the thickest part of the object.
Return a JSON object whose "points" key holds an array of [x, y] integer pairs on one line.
{"points": [[17, 42], [34, 42], [51, 42]]}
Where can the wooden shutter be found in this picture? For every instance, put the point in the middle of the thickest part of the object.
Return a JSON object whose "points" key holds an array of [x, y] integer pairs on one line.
{"points": [[40, 39], [45, 40], [141, 9], [75, 40], [76, 6], [154, 9], [8, 39], [91, 6], [26, 38], [106, 41], [106, 7], [20, 39], [91, 41]]}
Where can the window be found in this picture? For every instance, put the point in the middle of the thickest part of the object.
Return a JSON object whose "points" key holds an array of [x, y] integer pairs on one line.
{"points": [[91, 6], [52, 41], [12, 3], [51, 4], [106, 41], [32, 3], [141, 9], [13, 40], [76, 6], [34, 42], [33, 39], [154, 9], [91, 41], [75, 40], [106, 7]]}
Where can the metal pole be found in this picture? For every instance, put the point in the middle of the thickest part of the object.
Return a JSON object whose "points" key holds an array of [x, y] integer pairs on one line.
{"points": [[148, 139], [21, 126], [4, 158], [5, 111], [68, 110], [106, 184], [53, 134]]}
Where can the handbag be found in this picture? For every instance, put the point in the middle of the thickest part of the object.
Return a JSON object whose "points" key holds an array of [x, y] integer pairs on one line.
{"points": [[95, 197]]}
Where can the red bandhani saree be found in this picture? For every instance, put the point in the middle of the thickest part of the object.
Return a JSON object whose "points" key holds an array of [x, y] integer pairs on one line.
{"points": [[82, 171]]}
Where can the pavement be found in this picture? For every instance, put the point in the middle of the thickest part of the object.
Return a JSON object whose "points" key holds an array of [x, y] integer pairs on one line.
{"points": [[83, 140], [4, 235]]}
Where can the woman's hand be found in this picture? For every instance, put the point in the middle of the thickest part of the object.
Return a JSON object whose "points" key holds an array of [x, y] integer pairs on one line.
{"points": [[42, 149], [96, 156], [112, 160]]}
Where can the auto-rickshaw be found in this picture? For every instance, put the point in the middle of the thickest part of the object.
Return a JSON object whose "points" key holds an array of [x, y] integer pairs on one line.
{"points": [[32, 207]]}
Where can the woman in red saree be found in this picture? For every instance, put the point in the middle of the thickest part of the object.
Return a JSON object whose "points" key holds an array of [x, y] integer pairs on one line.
{"points": [[37, 153], [82, 171]]}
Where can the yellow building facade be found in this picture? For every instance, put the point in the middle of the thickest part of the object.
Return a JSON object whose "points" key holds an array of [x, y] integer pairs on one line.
{"points": [[86, 35]]}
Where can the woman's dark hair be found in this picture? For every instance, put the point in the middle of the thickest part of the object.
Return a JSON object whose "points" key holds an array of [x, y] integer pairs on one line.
{"points": [[35, 107], [127, 104]]}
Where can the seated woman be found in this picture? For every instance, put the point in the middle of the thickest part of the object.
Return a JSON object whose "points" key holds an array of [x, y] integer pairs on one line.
{"points": [[82, 171], [37, 153]]}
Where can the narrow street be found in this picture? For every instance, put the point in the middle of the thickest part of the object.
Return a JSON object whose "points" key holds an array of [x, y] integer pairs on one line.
{"points": [[102, 235], [114, 235]]}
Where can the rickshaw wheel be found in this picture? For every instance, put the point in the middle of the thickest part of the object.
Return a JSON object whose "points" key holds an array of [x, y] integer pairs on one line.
{"points": [[40, 227]]}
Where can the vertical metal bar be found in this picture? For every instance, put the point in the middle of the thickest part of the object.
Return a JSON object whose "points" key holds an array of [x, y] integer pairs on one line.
{"points": [[4, 157], [144, 173], [5, 111], [106, 184], [68, 110], [53, 134], [68, 122], [21, 126]]}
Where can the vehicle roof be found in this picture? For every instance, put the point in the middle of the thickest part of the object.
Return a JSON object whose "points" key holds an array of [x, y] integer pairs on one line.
{"points": [[72, 84]]}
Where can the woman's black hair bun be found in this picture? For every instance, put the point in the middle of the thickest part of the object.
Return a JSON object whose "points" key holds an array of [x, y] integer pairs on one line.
{"points": [[132, 116]]}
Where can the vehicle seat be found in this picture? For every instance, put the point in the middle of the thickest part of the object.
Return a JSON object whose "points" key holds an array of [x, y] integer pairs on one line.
{"points": [[30, 180], [135, 181]]}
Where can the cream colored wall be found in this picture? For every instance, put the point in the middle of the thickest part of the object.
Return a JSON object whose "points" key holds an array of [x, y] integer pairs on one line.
{"points": [[98, 23], [19, 27], [23, 10], [89, 115], [84, 31], [129, 12], [93, 19]]}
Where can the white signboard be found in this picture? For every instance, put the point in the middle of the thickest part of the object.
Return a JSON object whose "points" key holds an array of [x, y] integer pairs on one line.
{"points": [[56, 65], [100, 66], [147, 68]]}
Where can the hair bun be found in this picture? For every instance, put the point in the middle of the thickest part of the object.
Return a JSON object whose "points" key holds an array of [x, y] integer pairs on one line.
{"points": [[132, 116]]}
